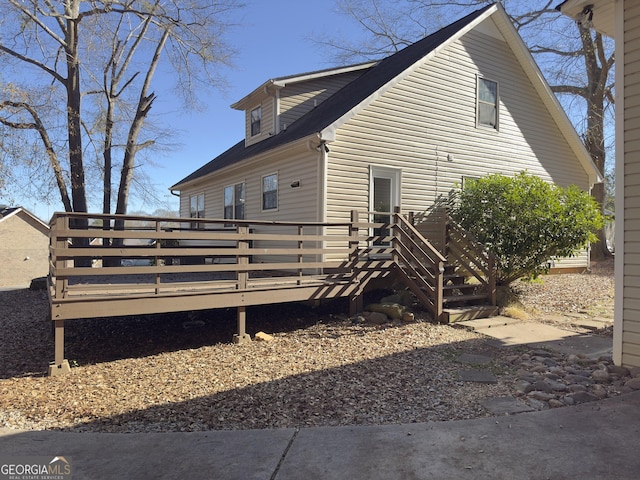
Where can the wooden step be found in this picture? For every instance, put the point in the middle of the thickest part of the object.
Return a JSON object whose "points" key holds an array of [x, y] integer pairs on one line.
{"points": [[464, 298], [452, 315], [462, 286]]}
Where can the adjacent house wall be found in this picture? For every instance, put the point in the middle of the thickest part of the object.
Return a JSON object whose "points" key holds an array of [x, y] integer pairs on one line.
{"points": [[426, 127], [627, 344], [24, 250]]}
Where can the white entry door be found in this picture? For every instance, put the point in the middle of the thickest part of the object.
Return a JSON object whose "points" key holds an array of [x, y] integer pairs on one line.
{"points": [[384, 196]]}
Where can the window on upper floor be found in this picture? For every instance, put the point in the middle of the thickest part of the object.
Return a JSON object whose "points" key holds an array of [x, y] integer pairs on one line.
{"points": [[487, 103], [234, 199], [196, 209], [256, 118], [270, 192]]}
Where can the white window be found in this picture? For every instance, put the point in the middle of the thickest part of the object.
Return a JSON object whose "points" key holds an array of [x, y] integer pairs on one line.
{"points": [[270, 192], [234, 199], [256, 117], [487, 103], [196, 209]]}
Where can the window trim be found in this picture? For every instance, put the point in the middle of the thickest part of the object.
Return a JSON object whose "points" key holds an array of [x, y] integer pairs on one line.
{"points": [[257, 122], [199, 213], [234, 203], [262, 192], [496, 104]]}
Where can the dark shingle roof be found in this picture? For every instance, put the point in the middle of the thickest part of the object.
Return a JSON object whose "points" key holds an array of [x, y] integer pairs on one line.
{"points": [[342, 101]]}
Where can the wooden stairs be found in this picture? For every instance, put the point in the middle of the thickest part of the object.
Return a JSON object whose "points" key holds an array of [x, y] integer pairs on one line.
{"points": [[464, 298], [455, 286]]}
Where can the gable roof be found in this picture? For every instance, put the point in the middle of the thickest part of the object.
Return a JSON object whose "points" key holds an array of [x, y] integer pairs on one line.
{"points": [[339, 103], [324, 119], [281, 82], [7, 212]]}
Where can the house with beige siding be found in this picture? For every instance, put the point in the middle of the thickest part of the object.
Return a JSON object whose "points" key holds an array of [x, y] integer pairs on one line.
{"points": [[24, 247], [404, 131], [620, 19]]}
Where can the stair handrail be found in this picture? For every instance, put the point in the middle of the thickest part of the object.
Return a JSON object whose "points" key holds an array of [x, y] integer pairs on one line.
{"points": [[480, 251], [409, 245]]}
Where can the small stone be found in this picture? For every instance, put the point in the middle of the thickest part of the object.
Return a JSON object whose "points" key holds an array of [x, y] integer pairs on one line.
{"points": [[572, 378], [543, 386], [572, 358], [555, 403], [391, 310], [599, 391], [542, 396], [408, 317], [582, 397], [263, 337], [618, 370], [568, 400], [634, 383], [523, 386], [576, 387], [538, 404], [634, 371], [601, 376], [375, 318]]}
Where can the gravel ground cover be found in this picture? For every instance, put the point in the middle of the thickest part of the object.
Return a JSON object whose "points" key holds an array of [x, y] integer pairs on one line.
{"points": [[181, 373]]}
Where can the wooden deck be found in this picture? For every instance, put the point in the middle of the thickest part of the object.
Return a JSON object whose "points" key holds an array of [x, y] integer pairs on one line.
{"points": [[113, 265]]}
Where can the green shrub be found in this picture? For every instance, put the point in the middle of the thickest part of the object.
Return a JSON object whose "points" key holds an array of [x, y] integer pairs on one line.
{"points": [[526, 221]]}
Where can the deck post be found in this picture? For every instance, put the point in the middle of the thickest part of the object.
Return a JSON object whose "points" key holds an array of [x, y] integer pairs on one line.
{"points": [[242, 337], [59, 365], [355, 299]]}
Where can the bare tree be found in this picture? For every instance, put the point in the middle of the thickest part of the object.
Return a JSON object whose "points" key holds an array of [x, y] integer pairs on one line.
{"points": [[109, 51], [577, 62]]}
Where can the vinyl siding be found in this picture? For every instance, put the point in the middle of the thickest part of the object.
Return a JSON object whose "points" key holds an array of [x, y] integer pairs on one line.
{"points": [[294, 204], [426, 127], [631, 144], [301, 97]]}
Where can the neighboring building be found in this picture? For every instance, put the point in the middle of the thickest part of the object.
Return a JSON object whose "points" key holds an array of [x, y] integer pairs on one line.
{"points": [[24, 247], [464, 102], [620, 19]]}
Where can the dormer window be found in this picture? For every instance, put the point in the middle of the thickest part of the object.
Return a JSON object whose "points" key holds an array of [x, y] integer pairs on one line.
{"points": [[256, 117]]}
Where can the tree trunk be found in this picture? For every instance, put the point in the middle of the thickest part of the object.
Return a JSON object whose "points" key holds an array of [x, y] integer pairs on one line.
{"points": [[78, 194], [594, 136]]}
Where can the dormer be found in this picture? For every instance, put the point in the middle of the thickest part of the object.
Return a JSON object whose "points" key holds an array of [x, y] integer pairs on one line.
{"points": [[279, 102]]}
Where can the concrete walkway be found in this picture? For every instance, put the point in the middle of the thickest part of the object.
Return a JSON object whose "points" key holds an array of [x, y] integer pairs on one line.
{"points": [[596, 440], [590, 441]]}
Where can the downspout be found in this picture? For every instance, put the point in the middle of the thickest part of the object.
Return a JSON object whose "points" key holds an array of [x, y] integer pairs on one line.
{"points": [[318, 145]]}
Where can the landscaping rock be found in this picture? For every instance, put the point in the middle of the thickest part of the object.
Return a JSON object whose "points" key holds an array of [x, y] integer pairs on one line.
{"points": [[634, 383], [376, 318], [263, 337], [555, 379], [391, 310]]}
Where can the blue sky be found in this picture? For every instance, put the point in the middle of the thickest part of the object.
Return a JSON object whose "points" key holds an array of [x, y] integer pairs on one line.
{"points": [[273, 39], [270, 44]]}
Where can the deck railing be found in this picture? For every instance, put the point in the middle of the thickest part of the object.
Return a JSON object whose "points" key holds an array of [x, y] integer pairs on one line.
{"points": [[116, 265], [149, 254]]}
